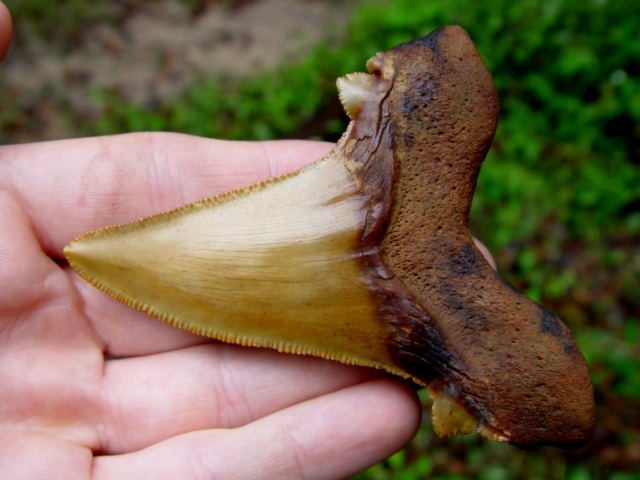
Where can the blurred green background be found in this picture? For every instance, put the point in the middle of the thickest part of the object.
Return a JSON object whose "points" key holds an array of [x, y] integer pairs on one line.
{"points": [[558, 199]]}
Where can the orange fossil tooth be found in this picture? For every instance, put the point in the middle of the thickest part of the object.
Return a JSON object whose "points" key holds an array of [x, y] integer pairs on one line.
{"points": [[365, 257]]}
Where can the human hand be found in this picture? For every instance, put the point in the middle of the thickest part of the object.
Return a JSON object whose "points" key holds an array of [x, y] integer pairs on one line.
{"points": [[165, 404], [171, 404]]}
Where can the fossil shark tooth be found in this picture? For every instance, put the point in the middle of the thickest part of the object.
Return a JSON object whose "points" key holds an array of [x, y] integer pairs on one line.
{"points": [[365, 257]]}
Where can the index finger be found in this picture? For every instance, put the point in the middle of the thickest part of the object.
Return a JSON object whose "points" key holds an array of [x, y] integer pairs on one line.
{"points": [[71, 186]]}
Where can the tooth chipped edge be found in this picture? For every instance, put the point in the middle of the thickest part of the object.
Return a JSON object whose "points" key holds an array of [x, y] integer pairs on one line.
{"points": [[353, 90]]}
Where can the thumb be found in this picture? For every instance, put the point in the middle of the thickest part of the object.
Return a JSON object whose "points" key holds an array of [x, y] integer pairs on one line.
{"points": [[6, 30]]}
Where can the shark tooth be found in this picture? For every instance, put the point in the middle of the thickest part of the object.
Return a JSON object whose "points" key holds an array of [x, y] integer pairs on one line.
{"points": [[365, 257]]}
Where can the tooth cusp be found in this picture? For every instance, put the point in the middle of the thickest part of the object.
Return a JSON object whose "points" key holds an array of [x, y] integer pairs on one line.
{"points": [[376, 63], [449, 417], [354, 89]]}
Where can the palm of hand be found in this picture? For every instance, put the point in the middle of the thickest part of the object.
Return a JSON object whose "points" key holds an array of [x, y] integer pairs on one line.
{"points": [[163, 400]]}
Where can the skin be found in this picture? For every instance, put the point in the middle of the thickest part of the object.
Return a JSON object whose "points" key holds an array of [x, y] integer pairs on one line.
{"points": [[66, 411], [172, 403], [6, 30]]}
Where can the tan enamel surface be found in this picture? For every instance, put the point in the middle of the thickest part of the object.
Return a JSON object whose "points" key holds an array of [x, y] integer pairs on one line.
{"points": [[275, 267]]}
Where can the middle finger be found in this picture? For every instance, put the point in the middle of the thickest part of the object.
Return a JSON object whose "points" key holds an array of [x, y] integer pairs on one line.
{"points": [[148, 399]]}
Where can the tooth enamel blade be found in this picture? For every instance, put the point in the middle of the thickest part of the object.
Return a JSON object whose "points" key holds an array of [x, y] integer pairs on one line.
{"points": [[277, 265]]}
